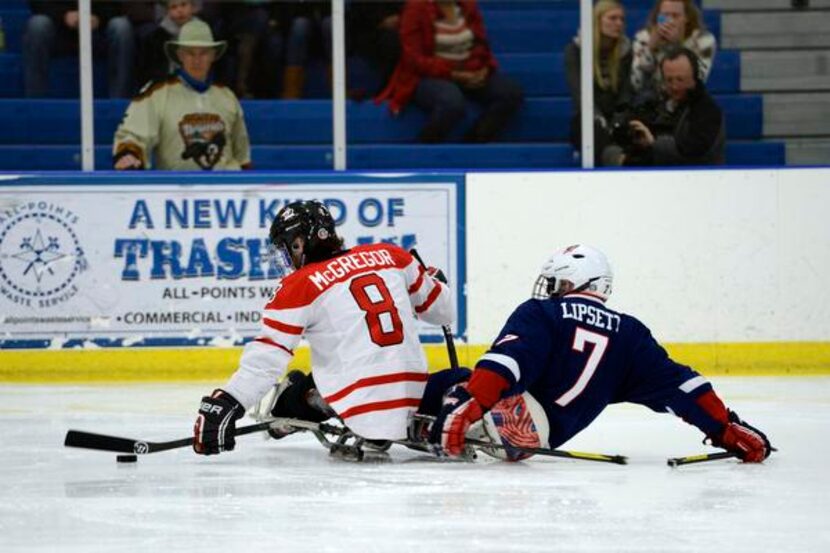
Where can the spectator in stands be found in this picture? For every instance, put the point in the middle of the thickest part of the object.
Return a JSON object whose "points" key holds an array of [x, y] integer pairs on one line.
{"points": [[686, 128], [144, 16], [153, 64], [670, 23], [53, 30], [304, 20], [373, 33], [445, 61], [612, 73], [257, 45], [185, 122]]}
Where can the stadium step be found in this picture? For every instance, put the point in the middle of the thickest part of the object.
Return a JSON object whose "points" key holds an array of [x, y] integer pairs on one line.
{"points": [[14, 22], [29, 157], [540, 120], [808, 151], [791, 29], [754, 5], [786, 70], [804, 114]]}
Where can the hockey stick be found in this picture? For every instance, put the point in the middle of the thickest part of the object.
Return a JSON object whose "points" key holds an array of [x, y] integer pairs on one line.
{"points": [[103, 442], [702, 458], [446, 329], [600, 457], [340, 447]]}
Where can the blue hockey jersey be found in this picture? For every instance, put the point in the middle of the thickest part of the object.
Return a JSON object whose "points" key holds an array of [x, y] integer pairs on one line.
{"points": [[576, 356]]}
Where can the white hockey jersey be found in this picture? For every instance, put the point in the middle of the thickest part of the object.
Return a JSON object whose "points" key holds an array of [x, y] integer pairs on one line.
{"points": [[357, 311]]}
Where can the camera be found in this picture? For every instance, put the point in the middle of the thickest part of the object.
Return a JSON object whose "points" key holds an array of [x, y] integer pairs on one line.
{"points": [[620, 129], [647, 111]]}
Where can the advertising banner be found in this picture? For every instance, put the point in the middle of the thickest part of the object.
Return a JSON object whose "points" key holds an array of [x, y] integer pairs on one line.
{"points": [[109, 260]]}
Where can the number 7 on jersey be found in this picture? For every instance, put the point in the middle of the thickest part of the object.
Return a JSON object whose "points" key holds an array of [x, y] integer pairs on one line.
{"points": [[582, 337]]}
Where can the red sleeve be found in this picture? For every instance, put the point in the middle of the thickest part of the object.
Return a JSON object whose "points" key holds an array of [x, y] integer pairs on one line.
{"points": [[487, 386], [418, 49]]}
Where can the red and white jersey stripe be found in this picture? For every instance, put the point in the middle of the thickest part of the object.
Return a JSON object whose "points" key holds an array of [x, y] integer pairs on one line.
{"points": [[357, 311]]}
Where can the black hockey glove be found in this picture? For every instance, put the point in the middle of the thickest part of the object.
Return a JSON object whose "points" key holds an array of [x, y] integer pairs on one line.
{"points": [[437, 274], [215, 426]]}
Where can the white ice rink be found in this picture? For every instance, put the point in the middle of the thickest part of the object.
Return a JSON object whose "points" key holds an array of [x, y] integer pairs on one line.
{"points": [[290, 497]]}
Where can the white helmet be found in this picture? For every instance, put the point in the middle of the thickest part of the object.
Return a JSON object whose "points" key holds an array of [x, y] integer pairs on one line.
{"points": [[577, 268]]}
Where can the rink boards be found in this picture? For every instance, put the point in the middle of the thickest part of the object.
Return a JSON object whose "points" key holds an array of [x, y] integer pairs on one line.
{"points": [[217, 364], [728, 268]]}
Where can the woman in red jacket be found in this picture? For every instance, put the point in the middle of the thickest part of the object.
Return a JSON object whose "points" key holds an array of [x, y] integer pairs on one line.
{"points": [[445, 61]]}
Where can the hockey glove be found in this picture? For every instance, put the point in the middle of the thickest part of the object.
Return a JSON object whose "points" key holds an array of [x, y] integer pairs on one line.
{"points": [[458, 411], [747, 442], [463, 405], [437, 274], [215, 426]]}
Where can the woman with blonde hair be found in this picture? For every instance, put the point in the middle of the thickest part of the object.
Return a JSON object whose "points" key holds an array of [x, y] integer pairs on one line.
{"points": [[670, 23], [612, 68]]}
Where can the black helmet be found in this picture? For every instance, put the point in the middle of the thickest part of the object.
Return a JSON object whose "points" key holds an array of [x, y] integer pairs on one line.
{"points": [[311, 221]]}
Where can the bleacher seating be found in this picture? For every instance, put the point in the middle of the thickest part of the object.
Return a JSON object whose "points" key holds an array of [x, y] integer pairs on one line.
{"points": [[541, 120], [528, 37]]}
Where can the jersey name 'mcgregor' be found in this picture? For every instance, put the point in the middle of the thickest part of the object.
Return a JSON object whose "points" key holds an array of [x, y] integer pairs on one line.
{"points": [[344, 265]]}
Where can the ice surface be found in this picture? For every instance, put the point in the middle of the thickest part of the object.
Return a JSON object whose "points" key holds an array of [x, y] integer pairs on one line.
{"points": [[289, 496]]}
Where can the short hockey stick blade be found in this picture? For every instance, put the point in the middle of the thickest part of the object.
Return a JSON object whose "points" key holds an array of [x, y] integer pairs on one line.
{"points": [[584, 456], [89, 440]]}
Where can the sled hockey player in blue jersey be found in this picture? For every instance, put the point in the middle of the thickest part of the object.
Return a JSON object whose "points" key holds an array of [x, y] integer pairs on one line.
{"points": [[563, 356]]}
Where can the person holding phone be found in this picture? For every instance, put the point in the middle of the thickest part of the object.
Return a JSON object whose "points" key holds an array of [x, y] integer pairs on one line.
{"points": [[670, 23]]}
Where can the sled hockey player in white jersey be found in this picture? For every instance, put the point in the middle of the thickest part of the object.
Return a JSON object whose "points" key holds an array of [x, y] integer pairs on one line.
{"points": [[357, 310]]}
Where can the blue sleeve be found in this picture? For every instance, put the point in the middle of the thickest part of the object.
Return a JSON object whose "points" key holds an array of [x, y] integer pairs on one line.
{"points": [[522, 348], [663, 385]]}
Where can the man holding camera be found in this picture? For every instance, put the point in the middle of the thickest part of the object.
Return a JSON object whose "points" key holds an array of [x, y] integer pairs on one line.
{"points": [[685, 128]]}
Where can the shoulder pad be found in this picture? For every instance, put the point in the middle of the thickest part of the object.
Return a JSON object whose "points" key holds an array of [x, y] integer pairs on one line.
{"points": [[154, 85]]}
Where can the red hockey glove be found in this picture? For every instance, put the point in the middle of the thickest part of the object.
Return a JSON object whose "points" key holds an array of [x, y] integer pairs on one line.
{"points": [[215, 426], [458, 412], [747, 442], [463, 405]]}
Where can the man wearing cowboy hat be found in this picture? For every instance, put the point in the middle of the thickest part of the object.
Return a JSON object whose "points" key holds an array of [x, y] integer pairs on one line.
{"points": [[185, 122], [153, 63]]}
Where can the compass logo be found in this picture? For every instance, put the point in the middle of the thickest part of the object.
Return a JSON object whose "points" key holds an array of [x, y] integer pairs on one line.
{"points": [[40, 255]]}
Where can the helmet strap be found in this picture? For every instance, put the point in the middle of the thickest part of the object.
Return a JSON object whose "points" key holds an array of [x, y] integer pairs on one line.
{"points": [[583, 287]]}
